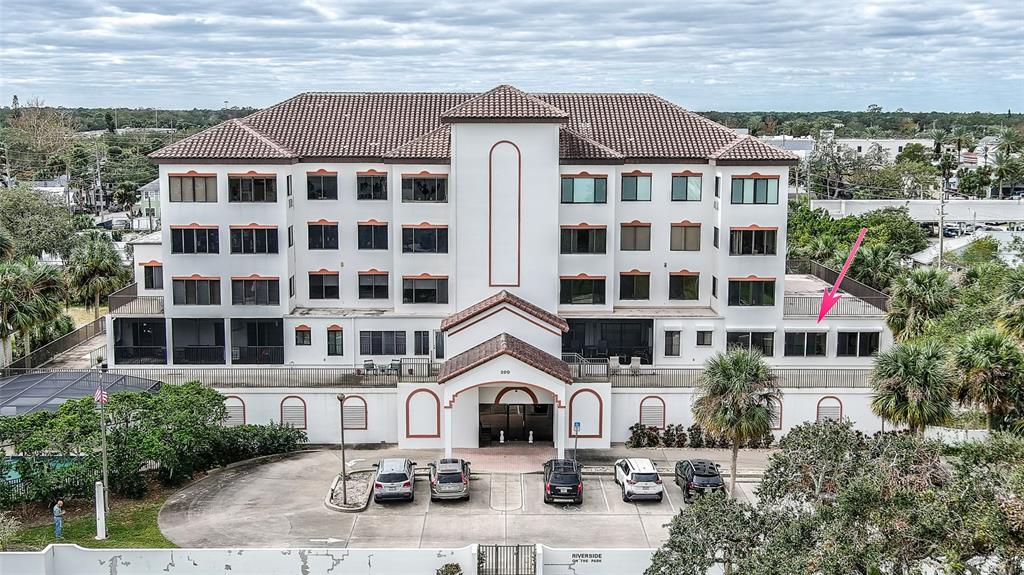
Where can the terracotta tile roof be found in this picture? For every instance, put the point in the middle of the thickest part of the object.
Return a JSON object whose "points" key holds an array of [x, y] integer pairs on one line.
{"points": [[406, 125], [504, 344], [503, 297], [751, 148], [504, 102]]}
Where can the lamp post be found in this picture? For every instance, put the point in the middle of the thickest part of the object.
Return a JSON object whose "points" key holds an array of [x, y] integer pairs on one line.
{"points": [[344, 465]]}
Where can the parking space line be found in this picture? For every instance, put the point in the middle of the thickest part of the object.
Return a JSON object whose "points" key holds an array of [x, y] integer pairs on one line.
{"points": [[352, 531], [522, 492], [664, 490], [604, 495]]}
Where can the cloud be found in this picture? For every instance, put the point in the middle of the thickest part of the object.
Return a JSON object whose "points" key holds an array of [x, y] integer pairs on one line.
{"points": [[741, 55]]}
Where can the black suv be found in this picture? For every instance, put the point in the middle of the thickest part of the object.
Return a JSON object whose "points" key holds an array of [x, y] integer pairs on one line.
{"points": [[698, 476], [563, 481]]}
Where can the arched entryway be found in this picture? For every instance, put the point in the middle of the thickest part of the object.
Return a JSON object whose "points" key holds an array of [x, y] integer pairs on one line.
{"points": [[516, 414]]}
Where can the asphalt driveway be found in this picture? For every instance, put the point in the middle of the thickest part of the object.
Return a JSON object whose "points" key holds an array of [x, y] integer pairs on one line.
{"points": [[280, 504]]}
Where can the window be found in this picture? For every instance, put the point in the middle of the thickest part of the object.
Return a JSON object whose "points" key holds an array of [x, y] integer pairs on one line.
{"points": [[763, 341], [652, 412], [636, 188], [303, 336], [353, 413], [830, 408], [196, 291], [581, 291], [322, 186], [373, 286], [382, 343], [857, 344], [335, 341], [776, 406], [805, 344], [153, 277], [686, 188], [254, 240], [584, 240], [425, 240], [634, 286], [324, 286], [323, 236], [752, 292], [752, 242], [714, 237], [421, 342], [195, 241], [755, 190], [293, 412], [672, 342], [291, 236], [193, 188], [584, 190], [291, 286], [252, 188], [685, 238], [373, 236], [714, 286], [372, 187], [288, 187], [439, 344], [704, 338], [234, 412], [718, 186], [684, 286], [635, 238], [255, 292], [430, 290], [420, 189]]}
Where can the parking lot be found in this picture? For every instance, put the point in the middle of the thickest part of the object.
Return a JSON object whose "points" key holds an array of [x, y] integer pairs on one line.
{"points": [[280, 504]]}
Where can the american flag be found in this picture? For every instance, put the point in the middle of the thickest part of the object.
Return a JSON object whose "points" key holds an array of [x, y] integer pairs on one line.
{"points": [[100, 395]]}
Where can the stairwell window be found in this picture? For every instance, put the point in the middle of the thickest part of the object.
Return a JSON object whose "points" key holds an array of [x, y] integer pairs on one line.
{"points": [[752, 242], [321, 186], [636, 188], [258, 188], [193, 188], [418, 290], [584, 190], [425, 189], [751, 293], [755, 190]]}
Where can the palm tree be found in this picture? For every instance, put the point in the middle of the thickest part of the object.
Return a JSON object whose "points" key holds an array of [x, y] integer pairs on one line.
{"points": [[1007, 169], [989, 370], [938, 137], [1011, 318], [28, 297], [875, 266], [45, 292], [912, 385], [962, 138], [736, 398], [95, 269], [1010, 140], [126, 195], [917, 298]]}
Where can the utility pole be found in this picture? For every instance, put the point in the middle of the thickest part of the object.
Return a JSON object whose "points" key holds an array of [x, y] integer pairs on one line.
{"points": [[344, 464]]}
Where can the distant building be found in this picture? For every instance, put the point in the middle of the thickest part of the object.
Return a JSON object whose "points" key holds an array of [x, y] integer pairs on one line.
{"points": [[56, 189], [890, 146], [802, 147], [149, 202]]}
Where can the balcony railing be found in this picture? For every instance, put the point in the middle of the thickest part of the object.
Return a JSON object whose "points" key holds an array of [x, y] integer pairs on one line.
{"points": [[126, 301], [140, 354], [199, 355], [787, 377], [62, 344], [851, 286], [848, 306], [258, 355]]}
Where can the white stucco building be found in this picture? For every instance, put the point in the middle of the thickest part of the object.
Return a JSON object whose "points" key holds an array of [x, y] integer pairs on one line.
{"points": [[463, 266]]}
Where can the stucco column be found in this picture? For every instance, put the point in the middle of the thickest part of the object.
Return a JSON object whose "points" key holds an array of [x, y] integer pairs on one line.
{"points": [[560, 432], [447, 414]]}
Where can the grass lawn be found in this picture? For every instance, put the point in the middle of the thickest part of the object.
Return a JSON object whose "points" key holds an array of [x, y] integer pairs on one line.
{"points": [[130, 526], [82, 316]]}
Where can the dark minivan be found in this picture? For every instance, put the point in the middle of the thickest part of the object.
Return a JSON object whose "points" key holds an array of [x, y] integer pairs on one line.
{"points": [[563, 481], [698, 477]]}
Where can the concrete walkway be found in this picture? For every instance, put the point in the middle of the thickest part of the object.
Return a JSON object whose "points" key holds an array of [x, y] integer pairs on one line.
{"points": [[280, 504], [78, 357]]}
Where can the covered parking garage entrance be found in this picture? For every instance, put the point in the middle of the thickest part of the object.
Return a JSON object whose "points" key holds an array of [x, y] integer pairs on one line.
{"points": [[513, 413]]}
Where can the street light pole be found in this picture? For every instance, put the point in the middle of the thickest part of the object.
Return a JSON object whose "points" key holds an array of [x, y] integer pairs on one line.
{"points": [[344, 460]]}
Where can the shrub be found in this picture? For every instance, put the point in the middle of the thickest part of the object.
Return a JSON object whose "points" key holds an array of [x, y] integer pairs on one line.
{"points": [[674, 436], [696, 436], [450, 569], [643, 436], [248, 441], [9, 526]]}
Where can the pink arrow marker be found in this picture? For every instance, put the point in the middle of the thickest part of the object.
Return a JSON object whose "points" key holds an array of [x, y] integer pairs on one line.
{"points": [[829, 299]]}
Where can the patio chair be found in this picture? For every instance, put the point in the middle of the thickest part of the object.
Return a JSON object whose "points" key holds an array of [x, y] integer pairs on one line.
{"points": [[396, 366], [634, 365], [613, 364], [369, 367]]}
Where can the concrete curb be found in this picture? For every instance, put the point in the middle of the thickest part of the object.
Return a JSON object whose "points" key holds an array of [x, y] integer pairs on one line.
{"points": [[334, 484]]}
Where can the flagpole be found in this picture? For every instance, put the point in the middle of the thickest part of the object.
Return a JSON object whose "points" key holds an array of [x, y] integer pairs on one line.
{"points": [[103, 434]]}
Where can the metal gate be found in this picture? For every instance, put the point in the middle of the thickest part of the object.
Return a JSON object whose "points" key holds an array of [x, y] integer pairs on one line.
{"points": [[508, 560]]}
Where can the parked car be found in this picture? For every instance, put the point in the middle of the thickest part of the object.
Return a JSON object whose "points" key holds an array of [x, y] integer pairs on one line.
{"points": [[449, 479], [563, 481], [698, 477], [394, 480], [639, 479]]}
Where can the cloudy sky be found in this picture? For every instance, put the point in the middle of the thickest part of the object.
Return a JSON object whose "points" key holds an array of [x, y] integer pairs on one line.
{"points": [[702, 54]]}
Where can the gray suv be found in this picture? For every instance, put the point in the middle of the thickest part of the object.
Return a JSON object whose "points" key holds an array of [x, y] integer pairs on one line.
{"points": [[394, 480], [449, 479]]}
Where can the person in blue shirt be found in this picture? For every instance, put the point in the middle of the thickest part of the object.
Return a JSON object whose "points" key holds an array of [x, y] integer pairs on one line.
{"points": [[58, 519]]}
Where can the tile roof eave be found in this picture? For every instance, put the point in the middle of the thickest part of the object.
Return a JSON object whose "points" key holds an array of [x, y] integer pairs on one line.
{"points": [[729, 162], [499, 120], [225, 160]]}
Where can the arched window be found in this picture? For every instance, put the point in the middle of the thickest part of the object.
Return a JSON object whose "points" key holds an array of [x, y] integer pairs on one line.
{"points": [[353, 412], [776, 406], [293, 412], [830, 407], [652, 412], [235, 409]]}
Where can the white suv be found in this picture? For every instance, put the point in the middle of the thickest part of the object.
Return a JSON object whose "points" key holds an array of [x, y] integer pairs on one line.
{"points": [[639, 479]]}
